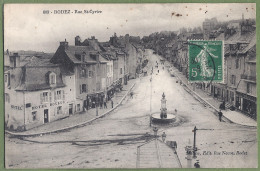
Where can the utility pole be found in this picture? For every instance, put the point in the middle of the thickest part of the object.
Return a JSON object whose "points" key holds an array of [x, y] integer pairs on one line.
{"points": [[97, 105], [151, 80], [194, 141]]}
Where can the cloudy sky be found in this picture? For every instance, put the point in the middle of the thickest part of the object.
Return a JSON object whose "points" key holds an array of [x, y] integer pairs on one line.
{"points": [[27, 28]]}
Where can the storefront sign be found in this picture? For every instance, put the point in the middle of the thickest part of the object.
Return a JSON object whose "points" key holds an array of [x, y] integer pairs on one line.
{"points": [[16, 107], [39, 107], [57, 103], [45, 105]]}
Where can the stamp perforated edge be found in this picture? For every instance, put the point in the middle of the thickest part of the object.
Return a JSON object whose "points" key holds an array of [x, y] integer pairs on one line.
{"points": [[223, 64]]}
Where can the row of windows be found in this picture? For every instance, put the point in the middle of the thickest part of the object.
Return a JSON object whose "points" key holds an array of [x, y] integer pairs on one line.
{"points": [[35, 117], [86, 74], [47, 96], [83, 88], [233, 79]]}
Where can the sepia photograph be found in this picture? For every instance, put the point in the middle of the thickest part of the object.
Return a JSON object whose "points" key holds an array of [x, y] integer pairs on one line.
{"points": [[137, 85]]}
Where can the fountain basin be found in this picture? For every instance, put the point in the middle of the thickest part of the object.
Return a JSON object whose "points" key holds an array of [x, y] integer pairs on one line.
{"points": [[156, 118]]}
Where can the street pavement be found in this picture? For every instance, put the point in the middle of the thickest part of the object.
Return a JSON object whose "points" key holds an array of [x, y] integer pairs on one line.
{"points": [[79, 119], [233, 116], [112, 141]]}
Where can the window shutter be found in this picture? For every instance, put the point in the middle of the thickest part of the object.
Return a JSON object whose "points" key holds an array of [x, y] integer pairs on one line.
{"points": [[80, 89], [41, 97], [50, 96], [63, 94], [55, 111], [55, 96]]}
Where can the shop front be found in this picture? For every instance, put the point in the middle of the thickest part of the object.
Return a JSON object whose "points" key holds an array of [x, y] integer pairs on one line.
{"points": [[94, 100], [247, 104]]}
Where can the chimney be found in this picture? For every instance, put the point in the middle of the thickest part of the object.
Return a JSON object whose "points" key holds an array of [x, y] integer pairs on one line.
{"points": [[93, 42], [64, 44], [77, 41], [14, 60]]}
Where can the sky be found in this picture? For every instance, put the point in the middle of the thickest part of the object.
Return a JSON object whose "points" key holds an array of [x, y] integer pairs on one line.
{"points": [[27, 28]]}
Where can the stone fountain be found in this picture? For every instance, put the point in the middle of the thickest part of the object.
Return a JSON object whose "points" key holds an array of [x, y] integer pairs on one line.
{"points": [[163, 117]]}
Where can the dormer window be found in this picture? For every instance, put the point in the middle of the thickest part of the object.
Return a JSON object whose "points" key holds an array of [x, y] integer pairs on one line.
{"points": [[83, 57], [7, 79], [52, 78]]}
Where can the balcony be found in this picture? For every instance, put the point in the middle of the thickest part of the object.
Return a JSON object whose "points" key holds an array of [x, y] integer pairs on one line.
{"points": [[248, 78]]}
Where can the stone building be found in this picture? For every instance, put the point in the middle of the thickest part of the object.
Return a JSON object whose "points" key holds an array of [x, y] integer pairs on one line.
{"points": [[35, 94], [90, 70]]}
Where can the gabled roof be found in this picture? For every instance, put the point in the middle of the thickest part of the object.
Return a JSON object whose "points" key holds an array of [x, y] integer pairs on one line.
{"points": [[33, 79], [73, 53], [250, 45]]}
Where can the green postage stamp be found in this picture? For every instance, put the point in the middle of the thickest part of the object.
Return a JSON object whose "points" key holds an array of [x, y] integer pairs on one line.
{"points": [[206, 61]]}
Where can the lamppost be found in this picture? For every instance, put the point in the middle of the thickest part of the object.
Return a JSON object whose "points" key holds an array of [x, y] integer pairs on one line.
{"points": [[96, 104], [194, 141], [151, 80]]}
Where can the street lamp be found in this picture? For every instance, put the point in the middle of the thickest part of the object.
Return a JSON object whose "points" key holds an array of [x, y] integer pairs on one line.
{"points": [[96, 104], [151, 80], [194, 141]]}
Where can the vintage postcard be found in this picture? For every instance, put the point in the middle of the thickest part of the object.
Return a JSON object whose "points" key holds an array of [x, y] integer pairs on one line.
{"points": [[165, 85]]}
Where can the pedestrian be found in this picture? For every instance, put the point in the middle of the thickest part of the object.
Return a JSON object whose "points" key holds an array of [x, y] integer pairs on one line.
{"points": [[101, 104], [158, 70], [105, 103], [163, 137], [94, 104], [112, 103], [155, 130], [131, 94], [220, 114]]}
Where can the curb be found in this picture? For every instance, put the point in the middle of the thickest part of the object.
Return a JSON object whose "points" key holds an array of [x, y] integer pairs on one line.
{"points": [[198, 96], [74, 126]]}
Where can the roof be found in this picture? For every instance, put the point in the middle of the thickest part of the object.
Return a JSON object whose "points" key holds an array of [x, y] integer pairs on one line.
{"points": [[247, 38], [36, 87], [31, 78], [73, 51], [38, 62], [157, 154], [102, 59], [250, 45]]}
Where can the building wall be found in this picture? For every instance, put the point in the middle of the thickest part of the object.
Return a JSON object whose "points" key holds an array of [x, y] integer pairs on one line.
{"points": [[88, 79], [121, 65], [109, 73], [115, 70], [101, 76], [14, 109], [33, 99], [132, 60]]}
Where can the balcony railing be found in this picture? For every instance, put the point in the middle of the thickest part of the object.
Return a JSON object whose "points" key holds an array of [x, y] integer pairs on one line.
{"points": [[248, 77], [243, 76]]}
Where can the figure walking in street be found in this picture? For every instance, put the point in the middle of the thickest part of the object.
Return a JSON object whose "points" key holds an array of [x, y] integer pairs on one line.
{"points": [[222, 106], [131, 94], [112, 103], [163, 137], [220, 114], [105, 103]]}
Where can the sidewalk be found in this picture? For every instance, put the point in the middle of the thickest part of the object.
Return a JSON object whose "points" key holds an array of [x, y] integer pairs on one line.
{"points": [[203, 97], [78, 120]]}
